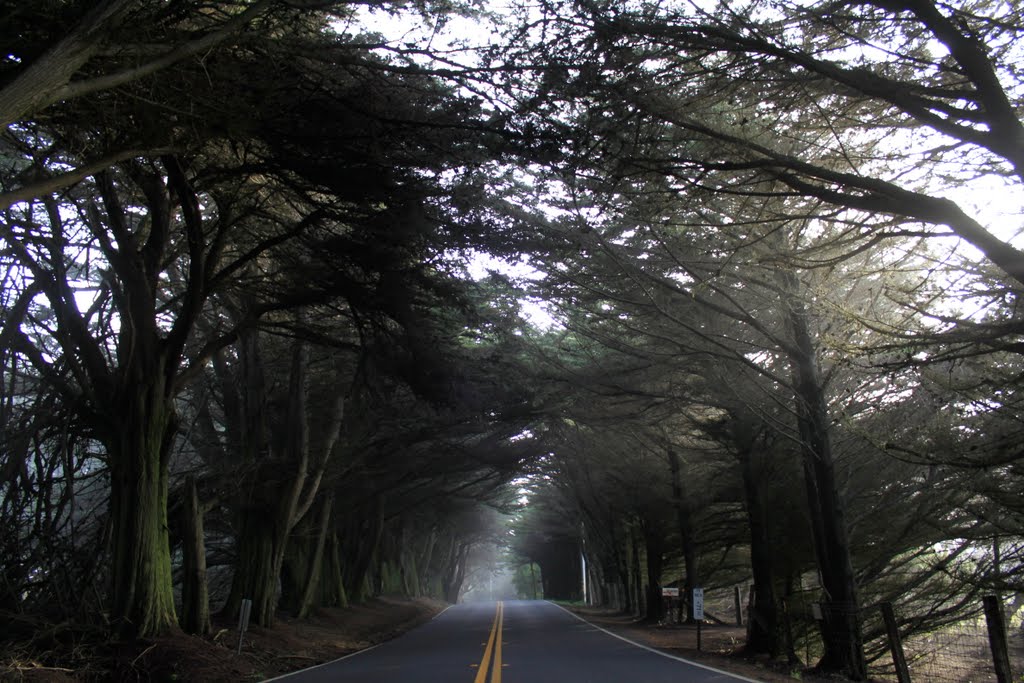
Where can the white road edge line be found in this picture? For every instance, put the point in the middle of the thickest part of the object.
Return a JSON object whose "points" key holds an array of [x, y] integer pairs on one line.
{"points": [[656, 651], [310, 668], [351, 654]]}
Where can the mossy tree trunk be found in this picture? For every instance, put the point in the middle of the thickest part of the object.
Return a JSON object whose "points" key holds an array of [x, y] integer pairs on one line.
{"points": [[141, 584]]}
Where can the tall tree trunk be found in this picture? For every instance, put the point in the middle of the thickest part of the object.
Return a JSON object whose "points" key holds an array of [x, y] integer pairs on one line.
{"points": [[637, 582], [297, 564], [142, 589], [306, 603], [654, 544], [763, 628], [456, 574], [622, 574], [334, 594], [424, 562], [256, 569], [685, 523], [276, 506], [195, 602], [367, 541], [844, 647]]}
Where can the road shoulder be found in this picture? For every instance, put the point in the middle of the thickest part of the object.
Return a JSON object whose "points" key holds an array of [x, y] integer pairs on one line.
{"points": [[720, 645]]}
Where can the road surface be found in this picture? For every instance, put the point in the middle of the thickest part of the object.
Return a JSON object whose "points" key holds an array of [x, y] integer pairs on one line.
{"points": [[509, 642]]}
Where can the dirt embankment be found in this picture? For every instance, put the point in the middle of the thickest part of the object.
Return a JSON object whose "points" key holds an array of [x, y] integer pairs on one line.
{"points": [[290, 645]]}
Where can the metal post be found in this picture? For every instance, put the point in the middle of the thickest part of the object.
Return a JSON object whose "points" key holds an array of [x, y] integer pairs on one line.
{"points": [[583, 571], [243, 621]]}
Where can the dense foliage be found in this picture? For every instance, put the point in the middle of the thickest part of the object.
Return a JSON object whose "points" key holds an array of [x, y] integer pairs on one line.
{"points": [[242, 355]]}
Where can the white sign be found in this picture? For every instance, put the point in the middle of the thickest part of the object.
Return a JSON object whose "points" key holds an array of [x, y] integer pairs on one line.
{"points": [[698, 603], [667, 592]]}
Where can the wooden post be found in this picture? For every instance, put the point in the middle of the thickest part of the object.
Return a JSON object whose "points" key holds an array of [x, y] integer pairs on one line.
{"points": [[997, 638], [895, 643], [736, 602]]}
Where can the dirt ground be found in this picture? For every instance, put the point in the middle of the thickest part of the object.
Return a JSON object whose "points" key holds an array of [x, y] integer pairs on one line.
{"points": [[290, 645], [332, 633], [720, 646]]}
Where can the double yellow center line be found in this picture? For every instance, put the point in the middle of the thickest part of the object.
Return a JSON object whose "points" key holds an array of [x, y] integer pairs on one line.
{"points": [[493, 646]]}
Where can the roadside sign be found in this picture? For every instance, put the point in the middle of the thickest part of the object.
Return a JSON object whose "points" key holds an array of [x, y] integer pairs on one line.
{"points": [[698, 603], [669, 592]]}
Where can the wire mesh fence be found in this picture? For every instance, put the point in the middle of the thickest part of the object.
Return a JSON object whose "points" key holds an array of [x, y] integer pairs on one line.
{"points": [[953, 653], [961, 652], [958, 653]]}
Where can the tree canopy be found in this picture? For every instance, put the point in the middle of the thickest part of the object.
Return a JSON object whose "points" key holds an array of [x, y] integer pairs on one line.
{"points": [[247, 353]]}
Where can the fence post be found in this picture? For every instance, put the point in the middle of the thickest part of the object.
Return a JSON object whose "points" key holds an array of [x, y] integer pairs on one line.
{"points": [[739, 607], [895, 643], [997, 638]]}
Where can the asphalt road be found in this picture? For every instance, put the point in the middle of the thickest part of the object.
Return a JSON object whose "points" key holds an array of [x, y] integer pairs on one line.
{"points": [[509, 642]]}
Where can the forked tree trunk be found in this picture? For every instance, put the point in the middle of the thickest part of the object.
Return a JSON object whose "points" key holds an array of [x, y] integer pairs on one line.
{"points": [[275, 509], [142, 592]]}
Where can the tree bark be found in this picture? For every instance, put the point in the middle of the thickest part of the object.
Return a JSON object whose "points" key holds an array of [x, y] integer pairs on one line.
{"points": [[456, 574], [685, 523], [142, 589], [844, 647], [333, 591], [654, 544], [425, 558], [367, 540], [306, 603], [636, 589], [763, 634], [36, 86], [195, 602], [276, 506]]}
